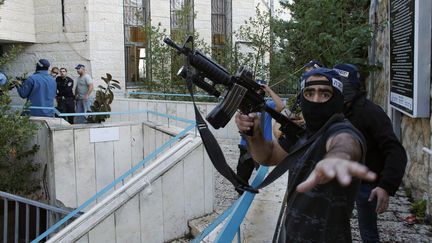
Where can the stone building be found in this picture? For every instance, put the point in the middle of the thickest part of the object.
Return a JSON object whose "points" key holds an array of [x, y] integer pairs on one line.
{"points": [[414, 131], [105, 35]]}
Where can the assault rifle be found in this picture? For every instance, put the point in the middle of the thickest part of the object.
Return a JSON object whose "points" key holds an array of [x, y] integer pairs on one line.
{"points": [[240, 92]]}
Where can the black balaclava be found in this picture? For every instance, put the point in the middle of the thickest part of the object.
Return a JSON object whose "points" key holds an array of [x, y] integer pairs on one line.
{"points": [[317, 114]]}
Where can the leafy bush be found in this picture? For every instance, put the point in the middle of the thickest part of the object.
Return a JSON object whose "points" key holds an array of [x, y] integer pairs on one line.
{"points": [[331, 31], [104, 98], [16, 167]]}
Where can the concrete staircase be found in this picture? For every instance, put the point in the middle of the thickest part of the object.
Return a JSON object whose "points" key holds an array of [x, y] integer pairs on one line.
{"points": [[260, 221]]}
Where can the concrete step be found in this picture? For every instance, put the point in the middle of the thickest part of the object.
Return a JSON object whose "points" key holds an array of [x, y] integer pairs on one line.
{"points": [[198, 225]]}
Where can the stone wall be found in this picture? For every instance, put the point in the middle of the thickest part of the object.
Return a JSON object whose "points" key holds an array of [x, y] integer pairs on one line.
{"points": [[92, 35], [82, 167], [415, 132], [106, 37], [17, 22]]}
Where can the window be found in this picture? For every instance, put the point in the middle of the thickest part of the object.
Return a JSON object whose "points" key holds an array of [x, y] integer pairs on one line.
{"points": [[221, 26], [181, 16], [136, 18]]}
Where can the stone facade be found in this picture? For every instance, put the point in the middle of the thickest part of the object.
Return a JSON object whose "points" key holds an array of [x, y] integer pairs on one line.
{"points": [[415, 132], [93, 32], [92, 35], [17, 21]]}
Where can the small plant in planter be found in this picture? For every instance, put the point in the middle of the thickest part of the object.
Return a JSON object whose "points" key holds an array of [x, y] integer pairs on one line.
{"points": [[103, 100]]}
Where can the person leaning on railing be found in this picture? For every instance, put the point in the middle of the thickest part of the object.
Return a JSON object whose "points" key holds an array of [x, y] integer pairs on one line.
{"points": [[320, 189]]}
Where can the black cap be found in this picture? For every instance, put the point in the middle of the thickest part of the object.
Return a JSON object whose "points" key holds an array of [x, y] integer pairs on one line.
{"points": [[42, 64], [79, 66]]}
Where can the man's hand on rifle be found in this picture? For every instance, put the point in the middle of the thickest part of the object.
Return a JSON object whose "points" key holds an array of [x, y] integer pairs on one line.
{"points": [[247, 122]]}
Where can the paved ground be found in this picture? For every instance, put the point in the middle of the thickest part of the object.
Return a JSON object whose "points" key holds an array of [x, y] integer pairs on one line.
{"points": [[391, 223]]}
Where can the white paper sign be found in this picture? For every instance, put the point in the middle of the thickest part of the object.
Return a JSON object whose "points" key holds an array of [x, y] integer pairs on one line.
{"points": [[104, 134]]}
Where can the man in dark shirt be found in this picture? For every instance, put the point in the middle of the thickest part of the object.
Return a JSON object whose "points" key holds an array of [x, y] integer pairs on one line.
{"points": [[385, 155], [320, 189], [65, 96]]}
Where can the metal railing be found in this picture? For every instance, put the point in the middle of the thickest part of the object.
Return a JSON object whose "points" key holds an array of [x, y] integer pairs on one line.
{"points": [[168, 94], [24, 219], [235, 214]]}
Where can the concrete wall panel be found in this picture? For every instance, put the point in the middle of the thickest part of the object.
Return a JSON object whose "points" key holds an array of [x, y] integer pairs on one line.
{"points": [[127, 219], [64, 167], [104, 231], [104, 158], [151, 213], [85, 166], [173, 203]]}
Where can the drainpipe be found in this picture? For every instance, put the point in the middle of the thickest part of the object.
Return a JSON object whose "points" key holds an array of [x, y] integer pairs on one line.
{"points": [[372, 49]]}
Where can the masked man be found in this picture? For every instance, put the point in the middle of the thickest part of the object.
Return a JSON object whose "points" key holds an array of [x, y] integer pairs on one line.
{"points": [[321, 163], [385, 156]]}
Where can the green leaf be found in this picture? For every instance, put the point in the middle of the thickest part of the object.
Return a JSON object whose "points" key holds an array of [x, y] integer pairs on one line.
{"points": [[116, 85], [105, 79]]}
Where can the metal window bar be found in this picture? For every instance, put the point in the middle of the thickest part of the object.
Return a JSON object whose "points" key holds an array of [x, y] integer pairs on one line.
{"points": [[5, 219], [26, 220]]}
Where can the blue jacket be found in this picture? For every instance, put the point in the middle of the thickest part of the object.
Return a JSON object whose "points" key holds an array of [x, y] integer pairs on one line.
{"points": [[40, 89]]}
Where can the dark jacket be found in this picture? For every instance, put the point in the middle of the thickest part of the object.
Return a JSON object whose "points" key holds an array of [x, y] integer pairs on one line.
{"points": [[385, 154], [64, 87], [322, 214], [40, 90]]}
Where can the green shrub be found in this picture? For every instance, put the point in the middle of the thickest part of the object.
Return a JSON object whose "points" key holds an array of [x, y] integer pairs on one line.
{"points": [[418, 208], [16, 165]]}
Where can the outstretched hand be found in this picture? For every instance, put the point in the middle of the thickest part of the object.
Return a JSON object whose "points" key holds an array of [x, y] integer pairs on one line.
{"points": [[341, 169]]}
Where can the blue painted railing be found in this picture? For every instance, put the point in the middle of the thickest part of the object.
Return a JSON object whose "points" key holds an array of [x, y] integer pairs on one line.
{"points": [[59, 114], [235, 214], [166, 94]]}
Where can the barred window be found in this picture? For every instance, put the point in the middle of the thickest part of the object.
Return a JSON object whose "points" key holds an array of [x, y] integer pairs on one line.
{"points": [[182, 15], [135, 19], [221, 21]]}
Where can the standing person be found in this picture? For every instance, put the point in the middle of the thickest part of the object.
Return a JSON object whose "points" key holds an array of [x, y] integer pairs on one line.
{"points": [[39, 89], [65, 96], [321, 192], [246, 164], [3, 82], [54, 72], [385, 156], [83, 93]]}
